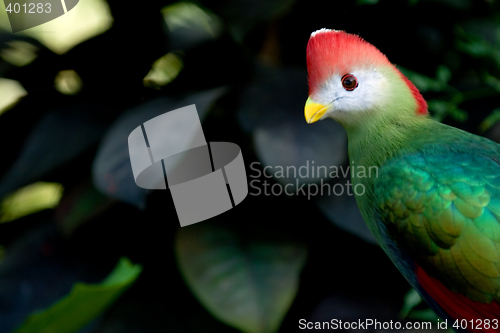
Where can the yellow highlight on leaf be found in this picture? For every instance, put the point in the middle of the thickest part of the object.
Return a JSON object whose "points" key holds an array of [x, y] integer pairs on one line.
{"points": [[19, 53], [30, 199], [88, 19], [190, 15], [10, 92], [163, 71], [68, 82]]}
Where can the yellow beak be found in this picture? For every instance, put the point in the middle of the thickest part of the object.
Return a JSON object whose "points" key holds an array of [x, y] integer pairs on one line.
{"points": [[314, 111]]}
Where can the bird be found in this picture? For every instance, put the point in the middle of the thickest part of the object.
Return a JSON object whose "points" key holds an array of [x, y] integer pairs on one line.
{"points": [[433, 198]]}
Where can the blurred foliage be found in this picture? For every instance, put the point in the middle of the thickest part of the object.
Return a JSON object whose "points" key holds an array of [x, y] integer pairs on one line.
{"points": [[10, 91], [92, 18], [163, 71], [19, 53], [72, 90], [68, 82], [30, 199]]}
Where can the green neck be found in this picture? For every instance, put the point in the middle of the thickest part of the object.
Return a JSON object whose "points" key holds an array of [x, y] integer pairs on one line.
{"points": [[375, 135], [373, 143]]}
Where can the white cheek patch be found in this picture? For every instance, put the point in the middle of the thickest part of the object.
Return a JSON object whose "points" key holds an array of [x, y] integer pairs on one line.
{"points": [[370, 93]]}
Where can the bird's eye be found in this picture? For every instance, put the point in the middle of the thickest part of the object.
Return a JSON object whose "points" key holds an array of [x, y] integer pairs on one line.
{"points": [[349, 82]]}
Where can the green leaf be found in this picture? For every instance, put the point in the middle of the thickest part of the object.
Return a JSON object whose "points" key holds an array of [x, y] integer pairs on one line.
{"points": [[474, 44], [424, 315], [19, 53], [422, 82], [475, 41], [188, 15], [247, 280], [83, 303], [443, 74], [412, 308], [30, 199], [440, 109], [366, 2], [492, 82], [491, 120], [459, 115], [412, 299], [163, 70], [79, 205]]}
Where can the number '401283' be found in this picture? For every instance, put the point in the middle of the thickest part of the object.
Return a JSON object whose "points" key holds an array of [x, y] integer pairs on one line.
{"points": [[28, 8]]}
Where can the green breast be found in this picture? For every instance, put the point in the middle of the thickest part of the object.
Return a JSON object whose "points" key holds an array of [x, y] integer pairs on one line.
{"points": [[438, 195]]}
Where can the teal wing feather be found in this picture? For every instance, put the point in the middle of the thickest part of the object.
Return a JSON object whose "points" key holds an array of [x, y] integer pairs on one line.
{"points": [[444, 211]]}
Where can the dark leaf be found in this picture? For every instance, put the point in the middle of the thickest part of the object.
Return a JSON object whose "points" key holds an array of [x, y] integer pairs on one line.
{"points": [[243, 15], [340, 207], [245, 279], [79, 205], [58, 138], [35, 273], [112, 171]]}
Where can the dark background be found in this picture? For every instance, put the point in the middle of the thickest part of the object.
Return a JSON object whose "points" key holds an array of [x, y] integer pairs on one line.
{"points": [[80, 104]]}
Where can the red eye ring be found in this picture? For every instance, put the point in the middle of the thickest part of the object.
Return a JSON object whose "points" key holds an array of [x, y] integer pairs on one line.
{"points": [[349, 82]]}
